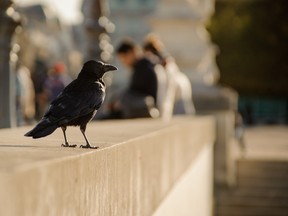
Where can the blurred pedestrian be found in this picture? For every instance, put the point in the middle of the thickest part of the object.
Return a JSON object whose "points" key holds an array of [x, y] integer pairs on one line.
{"points": [[139, 99], [39, 75], [175, 91], [56, 81], [25, 96]]}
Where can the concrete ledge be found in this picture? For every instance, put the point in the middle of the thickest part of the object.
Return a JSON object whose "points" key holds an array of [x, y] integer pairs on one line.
{"points": [[192, 194], [136, 166]]}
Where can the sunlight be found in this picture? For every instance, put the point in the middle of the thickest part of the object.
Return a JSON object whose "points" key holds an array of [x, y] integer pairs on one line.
{"points": [[69, 11]]}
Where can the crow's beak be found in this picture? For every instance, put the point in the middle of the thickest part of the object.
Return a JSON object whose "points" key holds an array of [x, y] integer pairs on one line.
{"points": [[108, 67]]}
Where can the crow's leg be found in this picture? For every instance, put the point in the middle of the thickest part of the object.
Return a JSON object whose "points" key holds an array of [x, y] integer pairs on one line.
{"points": [[86, 139], [66, 142]]}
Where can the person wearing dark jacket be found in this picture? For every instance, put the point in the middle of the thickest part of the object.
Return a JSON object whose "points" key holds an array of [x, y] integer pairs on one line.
{"points": [[144, 80], [139, 99]]}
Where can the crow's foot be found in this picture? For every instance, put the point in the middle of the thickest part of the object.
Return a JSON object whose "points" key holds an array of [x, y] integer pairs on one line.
{"points": [[89, 146], [67, 145]]}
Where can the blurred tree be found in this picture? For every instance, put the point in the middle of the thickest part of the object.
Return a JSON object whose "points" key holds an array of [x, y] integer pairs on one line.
{"points": [[9, 20], [252, 36]]}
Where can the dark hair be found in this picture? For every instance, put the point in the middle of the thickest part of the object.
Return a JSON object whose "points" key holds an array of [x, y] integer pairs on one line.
{"points": [[125, 46], [150, 46]]}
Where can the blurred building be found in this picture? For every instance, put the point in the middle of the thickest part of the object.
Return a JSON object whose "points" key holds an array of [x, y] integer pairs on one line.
{"points": [[248, 56], [44, 37], [181, 26]]}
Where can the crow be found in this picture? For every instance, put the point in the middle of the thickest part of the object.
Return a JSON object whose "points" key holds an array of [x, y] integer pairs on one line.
{"points": [[77, 104]]}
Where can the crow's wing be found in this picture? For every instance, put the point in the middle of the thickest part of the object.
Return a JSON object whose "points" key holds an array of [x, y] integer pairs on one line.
{"points": [[75, 102]]}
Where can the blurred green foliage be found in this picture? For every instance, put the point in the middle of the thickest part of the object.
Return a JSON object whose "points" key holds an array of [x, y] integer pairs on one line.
{"points": [[253, 39]]}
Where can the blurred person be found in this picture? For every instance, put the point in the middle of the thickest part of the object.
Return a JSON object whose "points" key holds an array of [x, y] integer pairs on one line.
{"points": [[61, 69], [166, 84], [143, 78], [56, 81], [175, 91], [139, 99], [39, 75], [25, 96]]}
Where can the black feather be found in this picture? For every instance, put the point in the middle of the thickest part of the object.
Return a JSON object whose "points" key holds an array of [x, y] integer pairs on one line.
{"points": [[78, 102], [43, 128]]}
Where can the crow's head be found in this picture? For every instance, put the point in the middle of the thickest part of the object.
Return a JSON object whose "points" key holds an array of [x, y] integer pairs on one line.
{"points": [[95, 69]]}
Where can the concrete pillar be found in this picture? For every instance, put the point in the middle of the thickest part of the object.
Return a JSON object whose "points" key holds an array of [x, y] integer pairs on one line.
{"points": [[181, 26], [224, 161], [97, 26], [9, 20]]}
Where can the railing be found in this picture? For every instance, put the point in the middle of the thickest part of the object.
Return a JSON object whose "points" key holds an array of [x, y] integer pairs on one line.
{"points": [[143, 167]]}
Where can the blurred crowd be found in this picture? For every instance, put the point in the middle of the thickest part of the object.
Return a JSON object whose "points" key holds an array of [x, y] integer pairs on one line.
{"points": [[157, 88], [51, 55], [35, 91]]}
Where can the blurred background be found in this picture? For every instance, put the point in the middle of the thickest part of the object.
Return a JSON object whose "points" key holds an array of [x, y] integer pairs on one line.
{"points": [[252, 37], [247, 40], [234, 53]]}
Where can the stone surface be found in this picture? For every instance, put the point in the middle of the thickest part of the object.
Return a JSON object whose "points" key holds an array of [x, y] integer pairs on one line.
{"points": [[214, 98], [133, 171], [224, 164], [192, 193], [261, 176], [267, 142]]}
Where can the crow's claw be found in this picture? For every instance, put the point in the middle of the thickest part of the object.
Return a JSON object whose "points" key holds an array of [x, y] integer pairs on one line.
{"points": [[67, 145], [89, 146]]}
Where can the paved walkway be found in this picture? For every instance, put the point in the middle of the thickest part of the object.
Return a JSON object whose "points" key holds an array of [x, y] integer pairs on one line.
{"points": [[267, 142]]}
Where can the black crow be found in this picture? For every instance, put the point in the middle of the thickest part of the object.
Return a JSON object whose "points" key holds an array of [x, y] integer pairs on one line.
{"points": [[77, 104]]}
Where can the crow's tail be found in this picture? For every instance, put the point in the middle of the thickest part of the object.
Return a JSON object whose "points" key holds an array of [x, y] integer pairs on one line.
{"points": [[42, 129]]}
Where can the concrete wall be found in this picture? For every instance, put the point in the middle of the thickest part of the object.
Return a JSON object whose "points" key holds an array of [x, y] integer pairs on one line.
{"points": [[139, 164], [192, 193]]}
